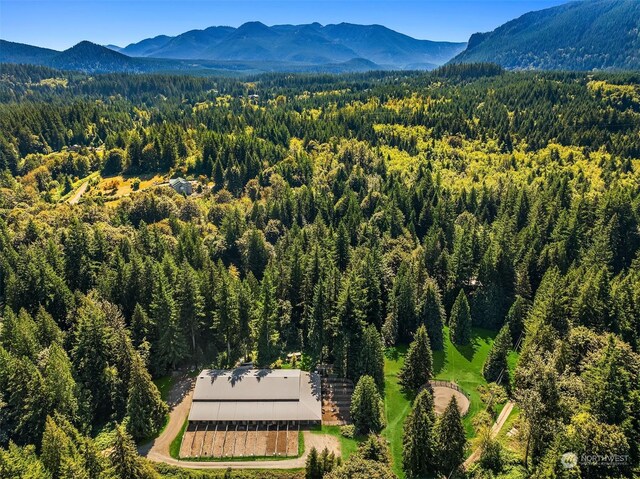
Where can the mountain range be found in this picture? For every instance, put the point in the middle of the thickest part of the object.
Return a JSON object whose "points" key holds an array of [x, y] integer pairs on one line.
{"points": [[307, 44], [581, 35], [250, 47]]}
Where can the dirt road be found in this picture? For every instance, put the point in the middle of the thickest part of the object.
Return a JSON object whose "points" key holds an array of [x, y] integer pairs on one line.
{"points": [[78, 194], [495, 429], [180, 402]]}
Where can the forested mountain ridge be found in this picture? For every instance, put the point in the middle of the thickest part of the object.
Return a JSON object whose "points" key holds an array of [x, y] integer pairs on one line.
{"points": [[580, 35], [331, 213], [313, 43], [250, 48], [89, 57]]}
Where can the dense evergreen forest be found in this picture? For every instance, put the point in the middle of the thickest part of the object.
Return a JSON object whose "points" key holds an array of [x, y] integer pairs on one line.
{"points": [[331, 213]]}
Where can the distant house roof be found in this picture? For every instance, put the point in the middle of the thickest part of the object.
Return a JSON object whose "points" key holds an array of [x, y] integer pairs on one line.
{"points": [[246, 394], [178, 182]]}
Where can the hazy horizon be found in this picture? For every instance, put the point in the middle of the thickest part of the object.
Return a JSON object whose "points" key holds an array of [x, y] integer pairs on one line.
{"points": [[121, 23]]}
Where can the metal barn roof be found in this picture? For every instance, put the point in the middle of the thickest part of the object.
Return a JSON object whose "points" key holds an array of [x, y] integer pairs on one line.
{"points": [[261, 395]]}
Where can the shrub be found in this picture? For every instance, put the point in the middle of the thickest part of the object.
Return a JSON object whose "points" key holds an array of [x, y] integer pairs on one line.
{"points": [[348, 431]]}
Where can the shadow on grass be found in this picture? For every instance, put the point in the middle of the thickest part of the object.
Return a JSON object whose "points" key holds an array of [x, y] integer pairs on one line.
{"points": [[394, 353], [438, 362], [480, 336], [467, 350]]}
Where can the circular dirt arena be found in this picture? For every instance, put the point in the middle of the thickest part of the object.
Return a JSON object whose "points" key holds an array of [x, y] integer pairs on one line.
{"points": [[442, 394]]}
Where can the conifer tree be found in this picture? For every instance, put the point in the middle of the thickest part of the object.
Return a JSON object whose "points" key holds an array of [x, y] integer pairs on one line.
{"points": [[90, 359], [419, 443], [190, 305], [59, 385], [267, 350], [431, 313], [47, 331], [390, 330], [145, 408], [450, 439], [312, 466], [348, 326], [403, 302], [366, 406], [417, 369], [375, 448], [460, 322], [55, 448], [124, 458], [170, 347], [342, 247], [372, 275], [218, 176], [516, 316], [226, 313], [496, 362], [140, 325], [318, 316], [371, 361]]}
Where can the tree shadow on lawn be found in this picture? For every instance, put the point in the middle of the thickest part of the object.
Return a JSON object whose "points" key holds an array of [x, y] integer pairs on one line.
{"points": [[479, 336], [394, 353], [468, 351], [438, 362]]}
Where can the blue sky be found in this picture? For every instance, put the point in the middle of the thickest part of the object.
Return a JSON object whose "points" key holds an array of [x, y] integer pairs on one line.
{"points": [[60, 24]]}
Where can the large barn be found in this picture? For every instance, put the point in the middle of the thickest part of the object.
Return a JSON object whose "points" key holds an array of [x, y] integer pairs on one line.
{"points": [[256, 397]]}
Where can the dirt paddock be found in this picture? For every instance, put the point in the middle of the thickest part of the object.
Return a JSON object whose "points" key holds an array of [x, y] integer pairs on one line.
{"points": [[442, 395], [243, 441]]}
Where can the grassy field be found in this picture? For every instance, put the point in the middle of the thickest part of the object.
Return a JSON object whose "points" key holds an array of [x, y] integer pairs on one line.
{"points": [[461, 364], [397, 405], [115, 187]]}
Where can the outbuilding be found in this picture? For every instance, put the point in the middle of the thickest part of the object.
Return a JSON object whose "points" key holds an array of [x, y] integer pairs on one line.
{"points": [[246, 396], [181, 185]]}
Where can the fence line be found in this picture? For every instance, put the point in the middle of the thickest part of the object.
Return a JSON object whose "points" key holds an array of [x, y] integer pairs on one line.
{"points": [[448, 384]]}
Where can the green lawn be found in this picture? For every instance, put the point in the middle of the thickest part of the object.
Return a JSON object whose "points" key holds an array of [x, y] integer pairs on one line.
{"points": [[463, 365], [174, 448], [396, 405], [460, 364]]}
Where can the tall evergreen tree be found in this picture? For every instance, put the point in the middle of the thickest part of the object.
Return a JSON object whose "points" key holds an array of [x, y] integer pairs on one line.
{"points": [[496, 363], [124, 458], [419, 443], [226, 314], [190, 305], [145, 408], [267, 350], [460, 321], [348, 326], [58, 382], [431, 313], [170, 347], [367, 410], [371, 361], [403, 302], [450, 439], [417, 369], [140, 325]]}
